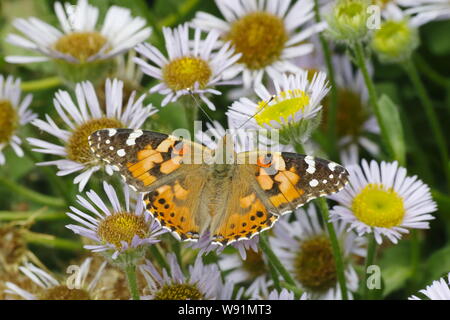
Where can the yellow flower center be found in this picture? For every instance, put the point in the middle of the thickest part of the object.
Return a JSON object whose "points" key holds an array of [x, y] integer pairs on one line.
{"points": [[314, 264], [254, 264], [393, 38], [377, 206], [122, 227], [285, 104], [179, 292], [80, 45], [351, 114], [260, 37], [8, 121], [78, 147], [184, 73], [62, 292]]}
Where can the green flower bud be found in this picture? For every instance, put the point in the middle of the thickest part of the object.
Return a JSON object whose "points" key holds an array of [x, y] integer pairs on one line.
{"points": [[395, 41]]}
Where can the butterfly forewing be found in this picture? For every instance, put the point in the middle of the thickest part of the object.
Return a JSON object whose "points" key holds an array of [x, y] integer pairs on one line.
{"points": [[289, 180], [145, 159]]}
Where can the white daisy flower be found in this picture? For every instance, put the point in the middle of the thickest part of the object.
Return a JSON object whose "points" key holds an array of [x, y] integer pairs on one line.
{"points": [[285, 294], [260, 290], [13, 114], [380, 198], [116, 228], [191, 66], [75, 286], [438, 290], [268, 34], [425, 11], [305, 248], [296, 101], [81, 119], [78, 40], [202, 282]]}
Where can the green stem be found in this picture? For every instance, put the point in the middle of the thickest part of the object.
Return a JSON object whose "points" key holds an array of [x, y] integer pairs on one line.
{"points": [[274, 275], [52, 241], [156, 253], [431, 74], [373, 98], [191, 115], [415, 253], [41, 84], [32, 195], [332, 109], [370, 258], [431, 115], [265, 247], [20, 215], [340, 268], [130, 270]]}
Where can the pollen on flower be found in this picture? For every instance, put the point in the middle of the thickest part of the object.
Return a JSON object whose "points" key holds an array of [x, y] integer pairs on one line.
{"points": [[8, 120], [62, 292], [314, 264], [378, 206], [180, 291], [260, 37], [122, 227], [285, 105], [78, 147], [185, 72], [80, 45]]}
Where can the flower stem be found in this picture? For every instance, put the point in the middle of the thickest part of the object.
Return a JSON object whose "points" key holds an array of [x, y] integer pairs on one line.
{"points": [[132, 283], [191, 112], [41, 84], [431, 74], [52, 241], [431, 115], [34, 215], [31, 194], [265, 247], [274, 275], [370, 258], [340, 268], [156, 253], [332, 109], [373, 98]]}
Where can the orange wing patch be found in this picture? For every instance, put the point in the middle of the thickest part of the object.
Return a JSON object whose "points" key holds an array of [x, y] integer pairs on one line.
{"points": [[251, 219], [164, 204]]}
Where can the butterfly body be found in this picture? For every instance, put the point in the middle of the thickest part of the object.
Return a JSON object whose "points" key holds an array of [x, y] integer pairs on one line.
{"points": [[191, 189]]}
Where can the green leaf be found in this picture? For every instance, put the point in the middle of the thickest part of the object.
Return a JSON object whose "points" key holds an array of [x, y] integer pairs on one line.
{"points": [[391, 119], [437, 265], [394, 277]]}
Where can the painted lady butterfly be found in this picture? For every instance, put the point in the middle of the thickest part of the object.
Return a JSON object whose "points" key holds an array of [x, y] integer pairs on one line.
{"points": [[190, 188]]}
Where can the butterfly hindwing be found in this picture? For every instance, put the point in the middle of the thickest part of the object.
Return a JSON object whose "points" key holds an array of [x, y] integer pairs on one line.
{"points": [[176, 204], [245, 214]]}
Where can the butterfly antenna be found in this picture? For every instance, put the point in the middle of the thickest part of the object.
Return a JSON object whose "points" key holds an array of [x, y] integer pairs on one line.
{"points": [[262, 108], [197, 103]]}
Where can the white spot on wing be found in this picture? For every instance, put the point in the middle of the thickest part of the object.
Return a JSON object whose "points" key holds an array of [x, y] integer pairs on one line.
{"points": [[121, 152], [332, 166], [314, 183], [311, 164], [133, 136]]}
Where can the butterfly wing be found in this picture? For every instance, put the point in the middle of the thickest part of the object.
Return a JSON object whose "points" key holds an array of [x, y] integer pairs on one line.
{"points": [[245, 212], [289, 180], [147, 159], [169, 170]]}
